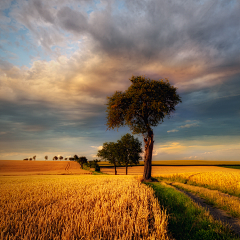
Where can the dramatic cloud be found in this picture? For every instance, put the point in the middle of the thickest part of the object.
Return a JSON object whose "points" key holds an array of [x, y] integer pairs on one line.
{"points": [[60, 60]]}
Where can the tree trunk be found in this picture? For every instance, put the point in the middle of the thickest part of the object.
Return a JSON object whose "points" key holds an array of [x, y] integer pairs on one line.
{"points": [[126, 168], [148, 156], [115, 168]]}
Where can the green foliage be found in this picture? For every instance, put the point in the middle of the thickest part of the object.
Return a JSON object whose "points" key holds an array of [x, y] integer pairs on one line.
{"points": [[109, 152], [126, 151], [97, 168], [129, 150], [92, 163], [143, 105], [187, 220], [81, 160]]}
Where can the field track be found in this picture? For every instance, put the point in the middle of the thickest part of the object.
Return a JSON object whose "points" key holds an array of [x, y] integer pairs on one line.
{"points": [[217, 213], [18, 167], [161, 170]]}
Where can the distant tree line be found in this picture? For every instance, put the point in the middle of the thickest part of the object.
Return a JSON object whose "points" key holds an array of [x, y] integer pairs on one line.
{"points": [[30, 159], [81, 160]]}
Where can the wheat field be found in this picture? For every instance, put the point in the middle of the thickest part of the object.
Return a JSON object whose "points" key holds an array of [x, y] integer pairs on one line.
{"points": [[227, 180], [17, 167], [79, 207], [166, 170]]}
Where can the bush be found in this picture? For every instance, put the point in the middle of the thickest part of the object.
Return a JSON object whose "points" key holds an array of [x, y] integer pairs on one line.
{"points": [[97, 168]]}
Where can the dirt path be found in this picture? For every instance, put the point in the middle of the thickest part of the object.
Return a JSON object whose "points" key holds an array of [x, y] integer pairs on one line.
{"points": [[218, 214]]}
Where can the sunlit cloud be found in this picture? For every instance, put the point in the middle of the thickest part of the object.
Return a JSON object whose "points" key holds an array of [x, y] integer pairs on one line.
{"points": [[60, 61], [200, 149], [188, 125], [174, 130], [97, 147]]}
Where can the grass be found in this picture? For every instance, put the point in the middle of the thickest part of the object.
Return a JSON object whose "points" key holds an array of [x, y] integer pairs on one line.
{"points": [[226, 182], [217, 199], [187, 220]]}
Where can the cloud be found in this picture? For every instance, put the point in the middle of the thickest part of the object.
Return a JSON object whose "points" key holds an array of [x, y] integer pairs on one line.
{"points": [[203, 148], [141, 36], [92, 49], [188, 125], [174, 130], [97, 147]]}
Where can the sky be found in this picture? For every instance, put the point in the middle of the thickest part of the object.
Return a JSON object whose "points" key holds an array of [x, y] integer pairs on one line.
{"points": [[59, 60]]}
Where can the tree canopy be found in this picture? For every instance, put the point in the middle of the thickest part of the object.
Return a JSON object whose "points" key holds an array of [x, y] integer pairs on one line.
{"points": [[125, 151], [81, 160], [129, 150], [141, 107], [110, 153]]}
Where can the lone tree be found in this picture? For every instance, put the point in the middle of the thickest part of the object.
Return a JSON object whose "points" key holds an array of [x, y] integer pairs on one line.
{"points": [[129, 150], [61, 158], [110, 152], [142, 106], [46, 157], [34, 157]]}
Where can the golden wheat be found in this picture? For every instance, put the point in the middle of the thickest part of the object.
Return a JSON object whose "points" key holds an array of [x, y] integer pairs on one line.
{"points": [[16, 167], [79, 207], [228, 182]]}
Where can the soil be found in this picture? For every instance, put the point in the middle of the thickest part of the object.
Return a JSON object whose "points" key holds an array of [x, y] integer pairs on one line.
{"points": [[218, 214], [19, 167]]}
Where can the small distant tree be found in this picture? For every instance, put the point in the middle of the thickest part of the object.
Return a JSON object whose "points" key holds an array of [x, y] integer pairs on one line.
{"points": [[75, 157], [25, 159], [110, 152], [82, 160], [55, 158], [130, 150], [94, 164], [61, 158], [97, 168], [34, 157], [46, 157], [71, 159], [30, 159], [65, 159]]}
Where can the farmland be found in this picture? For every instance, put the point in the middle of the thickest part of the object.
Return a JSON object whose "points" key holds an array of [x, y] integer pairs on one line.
{"points": [[227, 181], [183, 163], [166, 170], [79, 207], [58, 200], [15, 167]]}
